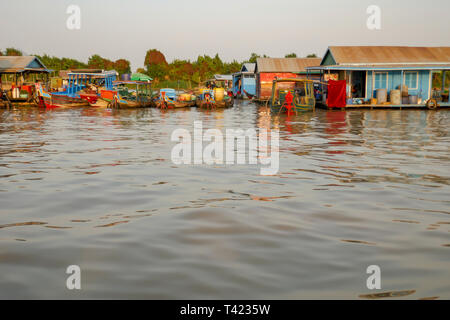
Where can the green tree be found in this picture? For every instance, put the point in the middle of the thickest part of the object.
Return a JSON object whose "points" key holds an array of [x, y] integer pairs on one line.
{"points": [[253, 57], [312, 55], [154, 56], [122, 66], [57, 64], [291, 55], [96, 62], [157, 71], [12, 52]]}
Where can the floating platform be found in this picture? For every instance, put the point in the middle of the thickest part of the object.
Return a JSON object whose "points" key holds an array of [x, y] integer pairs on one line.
{"points": [[386, 106]]}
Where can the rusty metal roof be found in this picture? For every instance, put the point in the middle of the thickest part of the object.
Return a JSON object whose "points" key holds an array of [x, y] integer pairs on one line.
{"points": [[293, 65], [20, 64], [374, 55]]}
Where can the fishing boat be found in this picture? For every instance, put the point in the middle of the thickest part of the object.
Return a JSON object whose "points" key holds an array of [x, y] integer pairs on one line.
{"points": [[168, 98], [214, 98], [82, 90], [101, 103], [59, 100], [292, 95], [132, 94]]}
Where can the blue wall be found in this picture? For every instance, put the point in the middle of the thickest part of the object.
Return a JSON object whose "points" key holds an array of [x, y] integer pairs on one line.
{"points": [[248, 84], [236, 78], [395, 79]]}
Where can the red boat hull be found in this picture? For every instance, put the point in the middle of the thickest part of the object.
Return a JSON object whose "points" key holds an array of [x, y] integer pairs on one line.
{"points": [[90, 98], [60, 101]]}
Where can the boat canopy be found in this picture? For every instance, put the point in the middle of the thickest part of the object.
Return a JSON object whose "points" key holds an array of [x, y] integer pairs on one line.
{"points": [[140, 77]]}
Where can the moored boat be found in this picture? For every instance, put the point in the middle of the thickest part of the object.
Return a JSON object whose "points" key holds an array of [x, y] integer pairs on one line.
{"points": [[292, 95], [168, 98], [59, 100], [82, 91], [132, 94], [211, 99]]}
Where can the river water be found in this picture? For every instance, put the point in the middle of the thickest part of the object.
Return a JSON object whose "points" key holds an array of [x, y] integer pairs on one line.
{"points": [[98, 189]]}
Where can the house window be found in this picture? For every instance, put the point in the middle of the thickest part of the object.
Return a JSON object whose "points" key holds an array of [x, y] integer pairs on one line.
{"points": [[412, 80], [381, 80]]}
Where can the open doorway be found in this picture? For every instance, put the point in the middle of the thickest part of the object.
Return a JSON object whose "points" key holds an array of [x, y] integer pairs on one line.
{"points": [[358, 84]]}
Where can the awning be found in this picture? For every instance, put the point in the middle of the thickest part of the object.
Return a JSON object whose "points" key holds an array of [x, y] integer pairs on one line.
{"points": [[140, 77]]}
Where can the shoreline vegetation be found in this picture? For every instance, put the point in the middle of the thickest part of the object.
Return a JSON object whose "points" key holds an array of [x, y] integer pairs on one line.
{"points": [[183, 74]]}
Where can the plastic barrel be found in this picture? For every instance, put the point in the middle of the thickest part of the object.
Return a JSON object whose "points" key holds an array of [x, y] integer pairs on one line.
{"points": [[405, 90], [218, 94], [413, 99], [396, 97], [125, 77], [405, 100], [382, 96]]}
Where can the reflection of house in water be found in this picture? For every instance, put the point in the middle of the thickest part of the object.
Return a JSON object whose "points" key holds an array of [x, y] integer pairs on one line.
{"points": [[290, 124]]}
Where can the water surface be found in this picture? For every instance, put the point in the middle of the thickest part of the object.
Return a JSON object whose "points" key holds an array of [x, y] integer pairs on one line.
{"points": [[97, 188]]}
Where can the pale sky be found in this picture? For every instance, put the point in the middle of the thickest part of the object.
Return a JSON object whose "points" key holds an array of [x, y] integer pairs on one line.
{"points": [[233, 28]]}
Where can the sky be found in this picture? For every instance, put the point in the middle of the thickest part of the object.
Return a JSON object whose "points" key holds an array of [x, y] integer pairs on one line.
{"points": [[234, 29]]}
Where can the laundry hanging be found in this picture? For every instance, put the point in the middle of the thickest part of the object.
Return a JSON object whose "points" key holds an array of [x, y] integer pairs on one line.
{"points": [[336, 94]]}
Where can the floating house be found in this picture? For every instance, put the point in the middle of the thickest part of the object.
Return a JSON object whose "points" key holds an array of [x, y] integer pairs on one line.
{"points": [[267, 69], [18, 75], [244, 82], [388, 76]]}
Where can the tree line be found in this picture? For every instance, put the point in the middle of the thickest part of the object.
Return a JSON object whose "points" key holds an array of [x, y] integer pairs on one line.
{"points": [[155, 65]]}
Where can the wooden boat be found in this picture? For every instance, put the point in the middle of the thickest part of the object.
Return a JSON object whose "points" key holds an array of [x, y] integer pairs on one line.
{"points": [[81, 92], [101, 103], [206, 99], [169, 99], [139, 97], [292, 95], [91, 98], [59, 100]]}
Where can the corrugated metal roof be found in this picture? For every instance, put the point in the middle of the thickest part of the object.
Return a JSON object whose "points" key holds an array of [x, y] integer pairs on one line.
{"points": [[248, 67], [389, 55], [382, 67], [293, 65], [223, 77], [17, 63]]}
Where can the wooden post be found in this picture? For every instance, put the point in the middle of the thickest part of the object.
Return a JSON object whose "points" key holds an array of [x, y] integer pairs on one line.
{"points": [[401, 88], [444, 73], [373, 85]]}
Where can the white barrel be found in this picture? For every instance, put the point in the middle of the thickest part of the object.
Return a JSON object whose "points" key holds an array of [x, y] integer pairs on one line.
{"points": [[396, 97], [381, 96], [16, 93]]}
